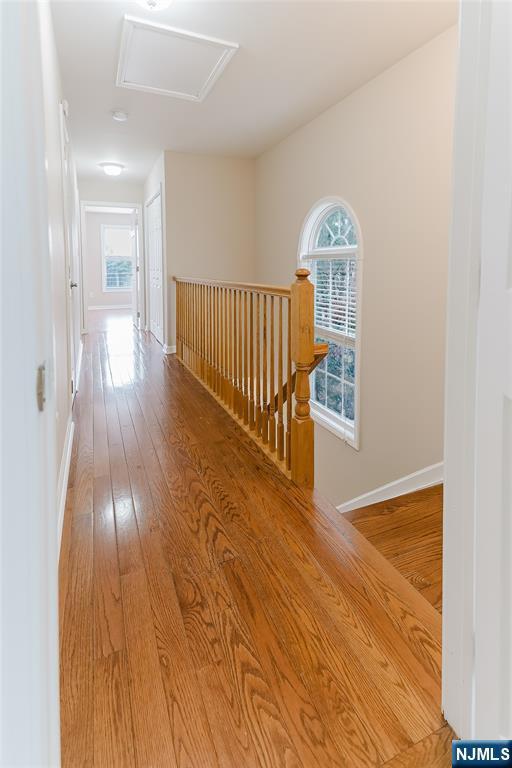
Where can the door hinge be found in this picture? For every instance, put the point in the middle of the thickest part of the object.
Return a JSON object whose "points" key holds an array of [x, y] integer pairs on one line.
{"points": [[138, 314], [72, 386], [41, 387], [137, 268]]}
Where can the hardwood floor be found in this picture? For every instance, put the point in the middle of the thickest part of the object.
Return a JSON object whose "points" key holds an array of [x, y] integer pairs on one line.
{"points": [[213, 614], [408, 531]]}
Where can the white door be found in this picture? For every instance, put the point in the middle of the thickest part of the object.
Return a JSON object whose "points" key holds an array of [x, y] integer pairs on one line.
{"points": [[72, 235], [138, 276], [155, 266]]}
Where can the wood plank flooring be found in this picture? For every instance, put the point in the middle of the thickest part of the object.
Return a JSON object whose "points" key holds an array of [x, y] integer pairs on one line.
{"points": [[408, 531], [213, 615]]}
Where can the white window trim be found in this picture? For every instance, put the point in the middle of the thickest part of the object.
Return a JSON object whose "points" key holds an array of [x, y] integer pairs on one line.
{"points": [[325, 418], [103, 259]]}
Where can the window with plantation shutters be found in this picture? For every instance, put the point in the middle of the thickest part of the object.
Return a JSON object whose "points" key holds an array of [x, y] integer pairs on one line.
{"points": [[335, 300], [330, 248]]}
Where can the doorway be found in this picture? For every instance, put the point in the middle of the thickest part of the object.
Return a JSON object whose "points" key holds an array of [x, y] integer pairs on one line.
{"points": [[112, 260], [154, 245]]}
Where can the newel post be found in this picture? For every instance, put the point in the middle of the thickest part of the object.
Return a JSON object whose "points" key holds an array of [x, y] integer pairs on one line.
{"points": [[302, 342]]}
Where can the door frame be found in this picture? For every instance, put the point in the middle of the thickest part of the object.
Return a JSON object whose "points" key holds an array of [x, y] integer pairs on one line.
{"points": [[69, 201], [95, 206], [148, 202], [477, 579]]}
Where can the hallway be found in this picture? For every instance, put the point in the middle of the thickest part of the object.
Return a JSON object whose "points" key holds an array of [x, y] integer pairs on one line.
{"points": [[213, 614]]}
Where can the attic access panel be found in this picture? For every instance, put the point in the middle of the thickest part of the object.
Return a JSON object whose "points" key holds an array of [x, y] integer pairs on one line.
{"points": [[169, 61]]}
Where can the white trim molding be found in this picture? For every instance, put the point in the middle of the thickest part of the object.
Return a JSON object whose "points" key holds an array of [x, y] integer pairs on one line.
{"points": [[169, 350], [78, 369], [136, 27], [423, 478], [62, 486], [307, 254], [111, 306]]}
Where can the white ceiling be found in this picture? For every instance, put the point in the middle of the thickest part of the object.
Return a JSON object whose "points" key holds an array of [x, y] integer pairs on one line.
{"points": [[295, 60]]}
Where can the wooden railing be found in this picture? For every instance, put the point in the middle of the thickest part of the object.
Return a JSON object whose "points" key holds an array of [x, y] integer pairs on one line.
{"points": [[253, 347]]}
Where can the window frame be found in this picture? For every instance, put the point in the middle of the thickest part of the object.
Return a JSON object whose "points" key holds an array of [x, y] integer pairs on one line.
{"points": [[105, 288], [307, 253]]}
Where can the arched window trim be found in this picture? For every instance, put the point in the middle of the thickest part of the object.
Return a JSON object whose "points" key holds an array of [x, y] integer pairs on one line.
{"points": [[308, 252]]}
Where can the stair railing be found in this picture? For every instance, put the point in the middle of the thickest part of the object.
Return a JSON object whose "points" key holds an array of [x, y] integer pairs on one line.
{"points": [[253, 347]]}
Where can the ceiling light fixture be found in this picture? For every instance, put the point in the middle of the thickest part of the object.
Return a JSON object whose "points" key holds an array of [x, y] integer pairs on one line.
{"points": [[119, 115], [112, 169], [154, 5]]}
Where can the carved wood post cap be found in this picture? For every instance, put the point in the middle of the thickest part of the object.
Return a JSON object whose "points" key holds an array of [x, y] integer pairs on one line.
{"points": [[302, 273]]}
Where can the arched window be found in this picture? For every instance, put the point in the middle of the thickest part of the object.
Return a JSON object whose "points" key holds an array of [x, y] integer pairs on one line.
{"points": [[330, 247]]}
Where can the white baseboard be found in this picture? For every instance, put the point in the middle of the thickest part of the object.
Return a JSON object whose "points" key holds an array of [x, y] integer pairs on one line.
{"points": [[110, 306], [169, 350], [62, 486], [423, 478], [79, 366]]}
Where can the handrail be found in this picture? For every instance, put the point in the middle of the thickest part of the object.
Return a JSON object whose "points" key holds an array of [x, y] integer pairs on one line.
{"points": [[270, 290], [320, 351], [251, 345]]}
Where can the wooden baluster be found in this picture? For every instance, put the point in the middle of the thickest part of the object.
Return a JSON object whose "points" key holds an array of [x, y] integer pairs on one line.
{"points": [[211, 336], [251, 361], [187, 320], [272, 386], [187, 300], [192, 325], [235, 353], [180, 304], [240, 359], [228, 347], [198, 331], [264, 404], [217, 341], [203, 333], [280, 425], [195, 327], [289, 398], [177, 294], [303, 460], [224, 344], [219, 320], [258, 368], [200, 297], [219, 312], [212, 384], [246, 362], [214, 324]]}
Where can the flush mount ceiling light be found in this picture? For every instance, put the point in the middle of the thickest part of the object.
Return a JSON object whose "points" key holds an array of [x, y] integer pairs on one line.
{"points": [[112, 169], [154, 5], [119, 115]]}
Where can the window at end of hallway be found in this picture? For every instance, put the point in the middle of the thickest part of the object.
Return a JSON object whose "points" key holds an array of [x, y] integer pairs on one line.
{"points": [[330, 247], [117, 246]]}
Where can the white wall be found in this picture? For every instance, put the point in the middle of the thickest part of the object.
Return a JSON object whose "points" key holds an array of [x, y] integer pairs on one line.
{"points": [[29, 621], [110, 190], [386, 149], [92, 261], [210, 219]]}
